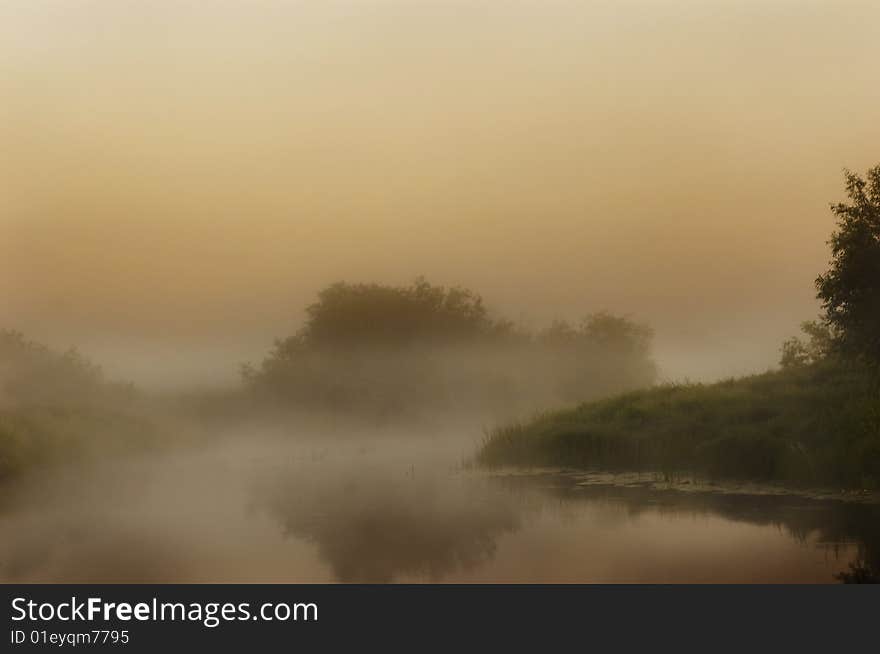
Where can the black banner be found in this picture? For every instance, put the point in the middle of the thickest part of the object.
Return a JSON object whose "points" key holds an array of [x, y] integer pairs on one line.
{"points": [[413, 617]]}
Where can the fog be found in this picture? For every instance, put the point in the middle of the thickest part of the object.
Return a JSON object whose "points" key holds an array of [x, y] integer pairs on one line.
{"points": [[636, 191], [179, 181], [294, 510], [252, 507]]}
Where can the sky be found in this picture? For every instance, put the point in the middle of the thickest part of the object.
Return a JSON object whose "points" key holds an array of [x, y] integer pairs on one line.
{"points": [[178, 179]]}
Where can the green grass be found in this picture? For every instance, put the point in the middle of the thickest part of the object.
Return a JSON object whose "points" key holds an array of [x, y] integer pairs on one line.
{"points": [[813, 425]]}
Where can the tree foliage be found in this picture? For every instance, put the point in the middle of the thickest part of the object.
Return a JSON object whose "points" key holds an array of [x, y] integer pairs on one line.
{"points": [[818, 345], [397, 348], [31, 373], [357, 315], [850, 289]]}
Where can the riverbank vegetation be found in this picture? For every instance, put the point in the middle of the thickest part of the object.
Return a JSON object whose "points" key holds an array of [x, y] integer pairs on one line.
{"points": [[809, 425]]}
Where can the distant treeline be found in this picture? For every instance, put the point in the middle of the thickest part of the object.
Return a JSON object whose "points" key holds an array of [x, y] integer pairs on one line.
{"points": [[395, 350], [57, 408], [32, 374]]}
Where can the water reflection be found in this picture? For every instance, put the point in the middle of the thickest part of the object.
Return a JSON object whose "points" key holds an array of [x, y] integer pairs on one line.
{"points": [[538, 528], [848, 533], [354, 513], [374, 528]]}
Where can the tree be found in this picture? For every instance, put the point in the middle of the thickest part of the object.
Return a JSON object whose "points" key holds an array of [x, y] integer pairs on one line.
{"points": [[372, 315], [618, 333], [31, 373], [818, 346], [850, 289], [397, 350]]}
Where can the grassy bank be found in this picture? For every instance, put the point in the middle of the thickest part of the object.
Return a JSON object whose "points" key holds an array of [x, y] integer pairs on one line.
{"points": [[818, 424]]}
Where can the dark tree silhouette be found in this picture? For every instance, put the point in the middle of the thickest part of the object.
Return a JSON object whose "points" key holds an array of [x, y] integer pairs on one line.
{"points": [[850, 289], [398, 349]]}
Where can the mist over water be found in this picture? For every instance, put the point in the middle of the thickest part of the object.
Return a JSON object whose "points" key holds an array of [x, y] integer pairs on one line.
{"points": [[263, 507]]}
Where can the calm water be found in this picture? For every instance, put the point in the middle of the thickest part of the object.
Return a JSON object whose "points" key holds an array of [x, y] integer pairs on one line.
{"points": [[399, 511]]}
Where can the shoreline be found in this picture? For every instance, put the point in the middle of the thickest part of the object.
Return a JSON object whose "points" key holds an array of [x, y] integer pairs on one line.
{"points": [[656, 481]]}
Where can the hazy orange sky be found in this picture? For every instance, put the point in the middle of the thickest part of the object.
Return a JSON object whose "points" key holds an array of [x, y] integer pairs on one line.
{"points": [[181, 177]]}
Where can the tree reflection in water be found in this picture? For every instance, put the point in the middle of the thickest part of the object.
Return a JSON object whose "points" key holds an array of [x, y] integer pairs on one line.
{"points": [[381, 527], [374, 528]]}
